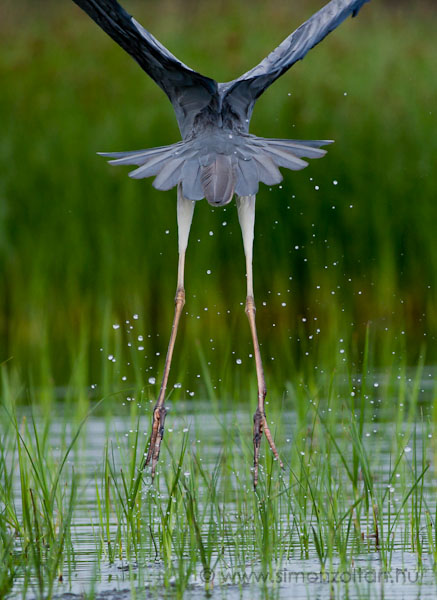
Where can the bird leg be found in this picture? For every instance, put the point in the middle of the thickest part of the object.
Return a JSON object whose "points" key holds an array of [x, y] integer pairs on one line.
{"points": [[185, 209], [246, 216]]}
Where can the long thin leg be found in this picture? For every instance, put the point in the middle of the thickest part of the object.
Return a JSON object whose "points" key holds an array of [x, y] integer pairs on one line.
{"points": [[185, 209], [246, 216]]}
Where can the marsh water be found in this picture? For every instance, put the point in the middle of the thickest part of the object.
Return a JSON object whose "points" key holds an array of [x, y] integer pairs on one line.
{"points": [[298, 572]]}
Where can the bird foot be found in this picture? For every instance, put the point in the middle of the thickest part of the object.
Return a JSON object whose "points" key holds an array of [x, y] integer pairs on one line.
{"points": [[259, 427], [156, 437]]}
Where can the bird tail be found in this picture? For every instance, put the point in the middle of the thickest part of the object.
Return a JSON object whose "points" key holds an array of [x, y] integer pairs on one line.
{"points": [[217, 174], [263, 156], [177, 163]]}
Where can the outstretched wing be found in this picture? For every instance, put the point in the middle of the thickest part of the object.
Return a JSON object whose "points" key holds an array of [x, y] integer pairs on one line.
{"points": [[241, 94], [188, 91]]}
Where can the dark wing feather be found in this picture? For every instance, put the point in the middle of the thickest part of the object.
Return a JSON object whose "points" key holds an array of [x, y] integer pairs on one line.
{"points": [[189, 91], [241, 94]]}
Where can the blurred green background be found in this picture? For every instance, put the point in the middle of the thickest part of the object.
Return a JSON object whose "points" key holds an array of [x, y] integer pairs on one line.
{"points": [[82, 246]]}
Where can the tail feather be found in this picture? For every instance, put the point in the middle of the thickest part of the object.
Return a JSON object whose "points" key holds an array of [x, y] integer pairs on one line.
{"points": [[247, 178], [220, 166], [169, 175], [286, 159], [151, 167], [139, 157], [268, 172], [300, 149], [191, 181], [218, 180]]}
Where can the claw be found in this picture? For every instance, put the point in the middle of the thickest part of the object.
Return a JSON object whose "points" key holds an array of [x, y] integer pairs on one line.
{"points": [[156, 437], [258, 421], [259, 427]]}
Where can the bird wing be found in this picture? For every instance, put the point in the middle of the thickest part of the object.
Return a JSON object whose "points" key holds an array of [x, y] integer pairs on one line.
{"points": [[240, 94], [188, 91]]}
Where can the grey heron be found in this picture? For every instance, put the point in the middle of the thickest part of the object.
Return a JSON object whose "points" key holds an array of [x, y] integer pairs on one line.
{"points": [[217, 157]]}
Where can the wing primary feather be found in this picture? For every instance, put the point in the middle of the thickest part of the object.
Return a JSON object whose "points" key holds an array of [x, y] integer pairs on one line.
{"points": [[241, 93], [189, 91]]}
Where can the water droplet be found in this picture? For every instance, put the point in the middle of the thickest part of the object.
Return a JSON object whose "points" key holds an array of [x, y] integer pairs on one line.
{"points": [[152, 380]]}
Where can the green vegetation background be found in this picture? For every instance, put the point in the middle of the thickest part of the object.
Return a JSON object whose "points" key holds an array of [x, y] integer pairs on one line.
{"points": [[82, 246]]}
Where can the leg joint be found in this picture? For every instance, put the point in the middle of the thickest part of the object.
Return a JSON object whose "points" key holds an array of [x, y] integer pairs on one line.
{"points": [[180, 297], [250, 305]]}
